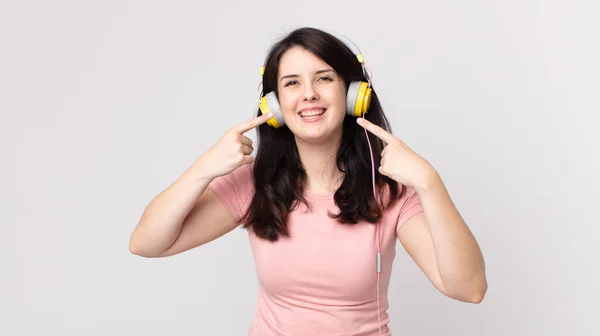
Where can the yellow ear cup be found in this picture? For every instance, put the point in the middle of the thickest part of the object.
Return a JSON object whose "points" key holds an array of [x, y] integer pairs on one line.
{"points": [[363, 99], [358, 98], [264, 108], [269, 103]]}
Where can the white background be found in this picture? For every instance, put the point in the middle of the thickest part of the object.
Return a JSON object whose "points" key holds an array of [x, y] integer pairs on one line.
{"points": [[105, 103]]}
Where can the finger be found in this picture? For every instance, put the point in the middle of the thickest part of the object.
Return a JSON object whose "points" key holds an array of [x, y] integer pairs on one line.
{"points": [[383, 151], [247, 149], [376, 130], [250, 124], [248, 159], [245, 140]]}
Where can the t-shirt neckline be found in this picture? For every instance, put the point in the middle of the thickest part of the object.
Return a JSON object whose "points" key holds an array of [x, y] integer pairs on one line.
{"points": [[318, 196]]}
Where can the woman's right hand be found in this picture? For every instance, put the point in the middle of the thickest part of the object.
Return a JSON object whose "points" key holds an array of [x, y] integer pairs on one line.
{"points": [[232, 150]]}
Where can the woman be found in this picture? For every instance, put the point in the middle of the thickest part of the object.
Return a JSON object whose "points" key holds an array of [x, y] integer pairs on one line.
{"points": [[322, 234]]}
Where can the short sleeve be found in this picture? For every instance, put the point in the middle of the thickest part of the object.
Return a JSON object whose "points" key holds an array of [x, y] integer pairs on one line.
{"points": [[235, 190], [411, 206]]}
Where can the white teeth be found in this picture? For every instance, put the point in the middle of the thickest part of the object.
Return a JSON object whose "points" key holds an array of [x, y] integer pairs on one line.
{"points": [[310, 113]]}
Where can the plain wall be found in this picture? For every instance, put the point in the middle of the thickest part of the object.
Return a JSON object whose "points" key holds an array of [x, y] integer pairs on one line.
{"points": [[105, 103]]}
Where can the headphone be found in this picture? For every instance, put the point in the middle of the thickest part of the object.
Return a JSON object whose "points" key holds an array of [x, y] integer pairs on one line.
{"points": [[358, 97]]}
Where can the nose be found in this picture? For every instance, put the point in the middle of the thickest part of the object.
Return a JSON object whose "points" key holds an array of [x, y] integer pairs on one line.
{"points": [[310, 93]]}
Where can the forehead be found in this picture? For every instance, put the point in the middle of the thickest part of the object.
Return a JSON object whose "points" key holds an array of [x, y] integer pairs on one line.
{"points": [[297, 60]]}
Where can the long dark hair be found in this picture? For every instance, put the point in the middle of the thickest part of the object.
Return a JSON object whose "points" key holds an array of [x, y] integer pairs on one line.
{"points": [[279, 177]]}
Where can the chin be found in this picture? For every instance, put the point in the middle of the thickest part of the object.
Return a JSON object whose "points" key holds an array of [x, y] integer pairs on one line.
{"points": [[312, 138], [315, 135]]}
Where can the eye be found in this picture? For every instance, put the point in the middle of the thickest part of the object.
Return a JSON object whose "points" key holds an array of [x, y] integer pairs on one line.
{"points": [[326, 78], [290, 83]]}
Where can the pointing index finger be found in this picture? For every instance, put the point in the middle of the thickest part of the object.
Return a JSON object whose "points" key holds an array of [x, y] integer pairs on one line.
{"points": [[252, 123], [376, 130]]}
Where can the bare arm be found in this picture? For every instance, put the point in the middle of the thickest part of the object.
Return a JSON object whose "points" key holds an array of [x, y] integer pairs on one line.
{"points": [[185, 215], [443, 247], [438, 240], [188, 214]]}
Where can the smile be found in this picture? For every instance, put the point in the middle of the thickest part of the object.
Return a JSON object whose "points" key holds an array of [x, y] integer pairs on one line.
{"points": [[312, 112]]}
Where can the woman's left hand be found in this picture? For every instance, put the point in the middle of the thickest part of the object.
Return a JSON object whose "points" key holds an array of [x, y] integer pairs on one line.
{"points": [[399, 162]]}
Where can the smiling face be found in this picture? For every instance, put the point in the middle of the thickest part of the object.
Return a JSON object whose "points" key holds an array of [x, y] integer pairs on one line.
{"points": [[312, 96]]}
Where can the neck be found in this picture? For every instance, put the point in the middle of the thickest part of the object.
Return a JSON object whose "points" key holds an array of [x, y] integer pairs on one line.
{"points": [[319, 162]]}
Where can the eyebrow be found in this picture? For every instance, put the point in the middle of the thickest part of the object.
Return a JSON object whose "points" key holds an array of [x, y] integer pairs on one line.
{"points": [[295, 76]]}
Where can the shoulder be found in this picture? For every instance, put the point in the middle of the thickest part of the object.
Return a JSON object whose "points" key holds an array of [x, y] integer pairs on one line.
{"points": [[244, 173], [235, 189], [406, 199], [406, 205], [239, 181]]}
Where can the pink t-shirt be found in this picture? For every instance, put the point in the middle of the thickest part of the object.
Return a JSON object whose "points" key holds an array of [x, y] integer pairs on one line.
{"points": [[322, 280]]}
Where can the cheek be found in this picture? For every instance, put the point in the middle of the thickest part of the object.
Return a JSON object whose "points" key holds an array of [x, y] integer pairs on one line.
{"points": [[338, 99], [288, 105], [287, 102], [337, 93]]}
